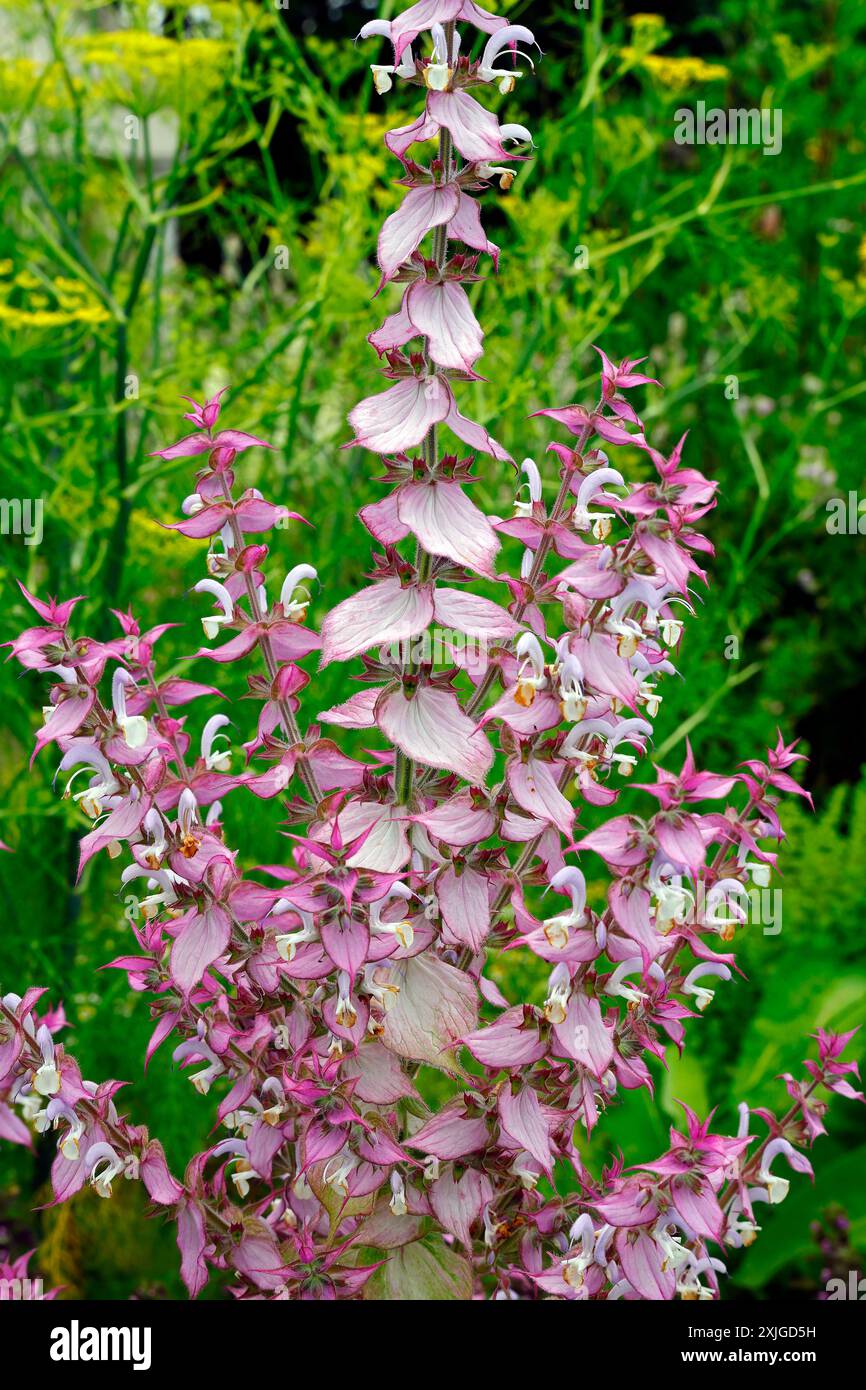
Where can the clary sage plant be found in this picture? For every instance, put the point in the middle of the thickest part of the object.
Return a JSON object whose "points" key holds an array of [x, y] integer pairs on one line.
{"points": [[311, 998]]}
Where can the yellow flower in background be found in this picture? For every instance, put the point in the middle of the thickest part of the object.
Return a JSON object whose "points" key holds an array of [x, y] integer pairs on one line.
{"points": [[648, 31], [798, 61], [153, 546], [30, 303], [18, 77], [133, 68], [676, 74], [149, 72], [648, 23], [32, 318], [26, 84]]}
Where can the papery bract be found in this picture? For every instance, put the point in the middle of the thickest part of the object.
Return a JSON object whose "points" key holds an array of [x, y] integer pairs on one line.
{"points": [[487, 809]]}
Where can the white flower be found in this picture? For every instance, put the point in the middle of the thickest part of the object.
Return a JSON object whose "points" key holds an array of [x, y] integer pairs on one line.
{"points": [[213, 622], [509, 37], [46, 1080], [558, 994], [135, 727]]}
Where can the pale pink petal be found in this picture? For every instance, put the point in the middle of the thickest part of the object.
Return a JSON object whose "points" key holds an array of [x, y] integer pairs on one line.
{"points": [[174, 691], [380, 614], [492, 993], [191, 1241], [644, 1265], [68, 1176], [258, 1256], [700, 1210], [475, 435], [123, 822], [12, 1128], [382, 520], [474, 129], [432, 729], [401, 139], [669, 559], [458, 822], [437, 1006], [355, 713], [523, 1120], [332, 768], [381, 1079], [509, 1042], [386, 848], [534, 786], [482, 19], [451, 1134], [398, 419], [65, 717], [465, 907], [422, 209], [204, 523], [575, 417], [476, 616], [187, 447], [235, 648], [238, 440], [681, 840], [544, 712], [518, 829], [263, 1144], [200, 942], [457, 1205], [632, 915], [292, 642], [447, 523], [346, 941], [442, 312], [423, 15], [466, 226], [604, 668], [255, 514], [161, 1187], [584, 1035], [397, 329], [586, 577]]}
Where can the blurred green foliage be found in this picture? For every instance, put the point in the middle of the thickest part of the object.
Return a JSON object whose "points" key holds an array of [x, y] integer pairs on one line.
{"points": [[184, 210]]}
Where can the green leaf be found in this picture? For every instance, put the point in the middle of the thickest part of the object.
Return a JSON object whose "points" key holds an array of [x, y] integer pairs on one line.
{"points": [[385, 1231], [636, 1128], [791, 1009], [338, 1207], [428, 1271], [684, 1081]]}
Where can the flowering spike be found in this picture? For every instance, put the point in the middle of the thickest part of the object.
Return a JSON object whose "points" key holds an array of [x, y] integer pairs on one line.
{"points": [[304, 995]]}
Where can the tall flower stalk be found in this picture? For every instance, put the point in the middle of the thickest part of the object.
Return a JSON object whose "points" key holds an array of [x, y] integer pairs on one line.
{"points": [[314, 1005]]}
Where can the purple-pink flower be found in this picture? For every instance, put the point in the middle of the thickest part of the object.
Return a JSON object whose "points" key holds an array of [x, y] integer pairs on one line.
{"points": [[305, 996]]}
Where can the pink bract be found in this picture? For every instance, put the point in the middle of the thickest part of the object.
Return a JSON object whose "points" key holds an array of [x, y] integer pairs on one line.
{"points": [[312, 998]]}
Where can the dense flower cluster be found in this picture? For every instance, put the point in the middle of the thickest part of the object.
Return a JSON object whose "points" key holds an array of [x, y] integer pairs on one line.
{"points": [[311, 1003]]}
